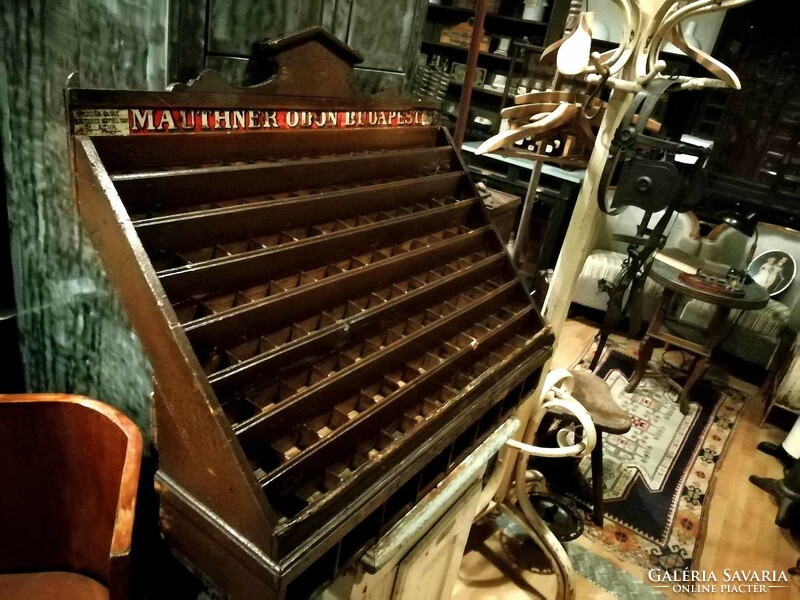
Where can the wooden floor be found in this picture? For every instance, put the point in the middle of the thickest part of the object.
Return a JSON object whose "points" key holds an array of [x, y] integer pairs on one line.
{"points": [[740, 535]]}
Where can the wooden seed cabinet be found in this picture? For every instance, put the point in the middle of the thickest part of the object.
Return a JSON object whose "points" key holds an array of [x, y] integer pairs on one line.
{"points": [[331, 320]]}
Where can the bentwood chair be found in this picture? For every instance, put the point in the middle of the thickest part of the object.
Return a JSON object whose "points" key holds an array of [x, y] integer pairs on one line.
{"points": [[69, 473]]}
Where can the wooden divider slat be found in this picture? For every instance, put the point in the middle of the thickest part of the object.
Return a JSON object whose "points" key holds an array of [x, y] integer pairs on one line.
{"points": [[323, 396], [363, 324], [137, 153], [142, 192], [228, 326], [192, 230], [238, 272], [401, 459], [291, 473]]}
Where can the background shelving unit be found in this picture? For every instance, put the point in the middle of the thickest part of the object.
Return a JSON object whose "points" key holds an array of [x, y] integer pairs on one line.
{"points": [[504, 20]]}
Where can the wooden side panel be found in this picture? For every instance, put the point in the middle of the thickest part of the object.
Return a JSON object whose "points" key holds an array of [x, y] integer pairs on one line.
{"points": [[430, 569], [214, 471], [203, 547]]}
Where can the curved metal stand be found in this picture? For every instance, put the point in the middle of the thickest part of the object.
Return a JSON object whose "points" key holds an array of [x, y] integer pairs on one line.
{"points": [[555, 394]]}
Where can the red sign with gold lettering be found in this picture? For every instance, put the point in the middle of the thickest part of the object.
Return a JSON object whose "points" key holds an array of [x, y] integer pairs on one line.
{"points": [[142, 121]]}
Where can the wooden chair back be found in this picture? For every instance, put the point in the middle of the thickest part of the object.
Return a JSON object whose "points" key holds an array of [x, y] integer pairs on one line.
{"points": [[69, 473]]}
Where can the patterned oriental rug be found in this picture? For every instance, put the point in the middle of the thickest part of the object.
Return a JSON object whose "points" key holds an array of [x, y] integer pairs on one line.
{"points": [[659, 476]]}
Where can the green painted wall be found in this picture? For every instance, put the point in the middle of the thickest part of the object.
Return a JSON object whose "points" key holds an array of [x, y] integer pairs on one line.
{"points": [[387, 34], [74, 336]]}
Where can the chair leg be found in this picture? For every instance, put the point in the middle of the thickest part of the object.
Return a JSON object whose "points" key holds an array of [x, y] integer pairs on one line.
{"points": [[645, 353], [597, 480], [782, 519], [699, 368]]}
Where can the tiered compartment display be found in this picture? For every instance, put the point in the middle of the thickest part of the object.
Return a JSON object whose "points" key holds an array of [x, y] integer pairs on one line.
{"points": [[332, 322]]}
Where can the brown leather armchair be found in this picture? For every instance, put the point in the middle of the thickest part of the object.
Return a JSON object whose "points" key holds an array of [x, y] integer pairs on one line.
{"points": [[69, 473]]}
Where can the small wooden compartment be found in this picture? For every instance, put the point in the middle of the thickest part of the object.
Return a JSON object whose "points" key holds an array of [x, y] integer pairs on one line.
{"points": [[328, 312]]}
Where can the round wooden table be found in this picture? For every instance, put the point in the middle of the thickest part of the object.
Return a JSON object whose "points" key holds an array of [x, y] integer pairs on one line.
{"points": [[692, 338]]}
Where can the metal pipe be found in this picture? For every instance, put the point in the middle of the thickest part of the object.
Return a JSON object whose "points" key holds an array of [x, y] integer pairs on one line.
{"points": [[523, 229], [469, 76]]}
